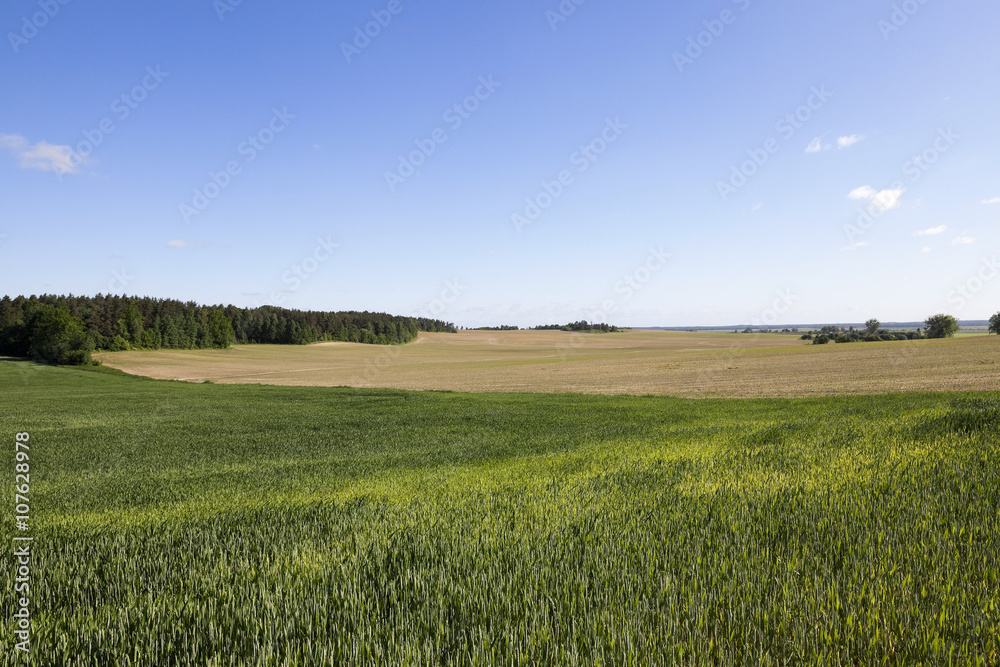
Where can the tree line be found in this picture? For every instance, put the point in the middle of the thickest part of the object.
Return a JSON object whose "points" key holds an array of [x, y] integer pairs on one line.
{"points": [[935, 326], [67, 329], [582, 325]]}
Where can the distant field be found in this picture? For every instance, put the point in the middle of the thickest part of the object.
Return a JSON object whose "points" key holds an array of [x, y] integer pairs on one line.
{"points": [[635, 362], [196, 524]]}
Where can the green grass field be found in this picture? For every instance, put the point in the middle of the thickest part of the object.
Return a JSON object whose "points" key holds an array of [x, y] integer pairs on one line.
{"points": [[200, 524]]}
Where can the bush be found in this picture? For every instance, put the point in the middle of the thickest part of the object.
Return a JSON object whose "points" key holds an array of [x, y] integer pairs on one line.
{"points": [[56, 337], [806, 337], [821, 339]]}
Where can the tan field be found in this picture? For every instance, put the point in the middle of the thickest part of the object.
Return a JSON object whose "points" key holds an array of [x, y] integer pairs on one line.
{"points": [[635, 362]]}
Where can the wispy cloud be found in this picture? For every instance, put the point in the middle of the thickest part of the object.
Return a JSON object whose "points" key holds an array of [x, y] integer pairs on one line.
{"points": [[879, 201], [816, 145], [42, 156], [181, 244], [963, 240], [756, 207], [994, 200], [932, 231], [925, 250], [848, 141], [855, 246]]}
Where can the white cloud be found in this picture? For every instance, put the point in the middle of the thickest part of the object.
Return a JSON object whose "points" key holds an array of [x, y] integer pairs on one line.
{"points": [[816, 145], [181, 244], [43, 155], [879, 201], [847, 142], [855, 246], [995, 200], [925, 250], [932, 231], [864, 192], [886, 200], [756, 207], [963, 240]]}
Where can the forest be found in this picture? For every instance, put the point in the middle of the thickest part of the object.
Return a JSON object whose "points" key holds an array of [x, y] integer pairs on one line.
{"points": [[67, 329]]}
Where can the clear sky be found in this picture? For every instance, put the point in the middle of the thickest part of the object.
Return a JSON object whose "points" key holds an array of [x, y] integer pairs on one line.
{"points": [[642, 163]]}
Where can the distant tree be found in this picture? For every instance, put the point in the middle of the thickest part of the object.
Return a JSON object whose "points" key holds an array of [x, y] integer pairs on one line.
{"points": [[941, 326], [821, 339], [873, 326], [995, 324]]}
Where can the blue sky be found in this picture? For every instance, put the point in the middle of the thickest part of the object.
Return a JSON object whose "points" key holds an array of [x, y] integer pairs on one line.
{"points": [[644, 163]]}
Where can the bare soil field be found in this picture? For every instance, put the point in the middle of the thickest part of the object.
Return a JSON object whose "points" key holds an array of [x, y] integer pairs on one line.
{"points": [[634, 362]]}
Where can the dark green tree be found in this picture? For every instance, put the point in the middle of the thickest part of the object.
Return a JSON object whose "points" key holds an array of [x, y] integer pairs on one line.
{"points": [[130, 325], [56, 337], [941, 326], [995, 324], [220, 329]]}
